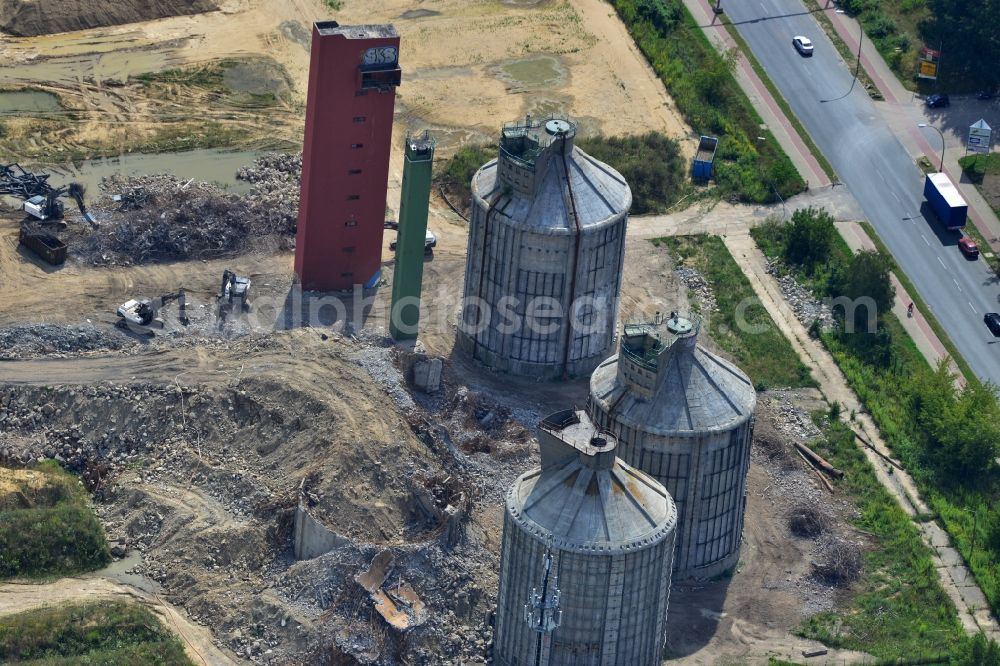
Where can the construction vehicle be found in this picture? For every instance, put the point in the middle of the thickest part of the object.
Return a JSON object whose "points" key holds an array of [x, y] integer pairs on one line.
{"points": [[41, 200], [234, 294], [45, 207], [142, 316]]}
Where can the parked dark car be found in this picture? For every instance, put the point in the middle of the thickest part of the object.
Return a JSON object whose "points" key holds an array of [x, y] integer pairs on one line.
{"points": [[984, 94], [992, 320], [938, 101]]}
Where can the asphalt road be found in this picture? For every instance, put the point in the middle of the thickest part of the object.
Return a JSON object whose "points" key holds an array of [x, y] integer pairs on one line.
{"points": [[876, 168]]}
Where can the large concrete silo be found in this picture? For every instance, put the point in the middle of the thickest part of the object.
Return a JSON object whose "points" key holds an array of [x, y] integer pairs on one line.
{"points": [[684, 416], [586, 557], [544, 264]]}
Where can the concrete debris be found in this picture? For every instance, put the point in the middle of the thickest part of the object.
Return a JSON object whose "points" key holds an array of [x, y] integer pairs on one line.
{"points": [[34, 340], [700, 292], [804, 304], [170, 464], [427, 374], [164, 218]]}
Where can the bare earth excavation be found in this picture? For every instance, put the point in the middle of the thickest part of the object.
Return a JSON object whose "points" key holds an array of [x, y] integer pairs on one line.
{"points": [[567, 461]]}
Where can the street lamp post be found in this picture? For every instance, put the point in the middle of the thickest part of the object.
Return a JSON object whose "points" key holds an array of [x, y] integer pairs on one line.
{"points": [[857, 67], [941, 134]]}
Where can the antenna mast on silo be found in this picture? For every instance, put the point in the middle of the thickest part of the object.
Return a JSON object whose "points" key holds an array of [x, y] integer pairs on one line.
{"points": [[542, 612]]}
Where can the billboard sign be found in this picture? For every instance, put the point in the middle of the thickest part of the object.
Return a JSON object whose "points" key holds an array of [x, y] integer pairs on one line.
{"points": [[927, 64], [980, 138]]}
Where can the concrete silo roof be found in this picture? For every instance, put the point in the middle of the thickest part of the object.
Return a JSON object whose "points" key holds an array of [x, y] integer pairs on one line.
{"points": [[700, 393], [599, 195], [574, 507]]}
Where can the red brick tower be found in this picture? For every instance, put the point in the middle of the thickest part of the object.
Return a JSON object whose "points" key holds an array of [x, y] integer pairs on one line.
{"points": [[353, 76]]}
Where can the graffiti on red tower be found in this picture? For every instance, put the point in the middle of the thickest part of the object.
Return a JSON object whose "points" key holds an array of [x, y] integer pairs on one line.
{"points": [[353, 75]]}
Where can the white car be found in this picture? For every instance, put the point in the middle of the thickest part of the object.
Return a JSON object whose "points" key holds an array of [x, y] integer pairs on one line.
{"points": [[430, 242], [803, 45]]}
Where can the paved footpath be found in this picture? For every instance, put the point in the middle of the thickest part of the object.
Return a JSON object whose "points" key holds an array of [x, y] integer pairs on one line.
{"points": [[902, 114], [733, 224]]}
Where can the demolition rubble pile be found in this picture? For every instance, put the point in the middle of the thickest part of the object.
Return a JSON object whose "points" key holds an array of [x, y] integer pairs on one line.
{"points": [[805, 305], [234, 457], [157, 218], [28, 341], [700, 292]]}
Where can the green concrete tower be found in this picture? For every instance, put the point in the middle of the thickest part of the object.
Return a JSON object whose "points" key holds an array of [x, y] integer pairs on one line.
{"points": [[411, 242]]}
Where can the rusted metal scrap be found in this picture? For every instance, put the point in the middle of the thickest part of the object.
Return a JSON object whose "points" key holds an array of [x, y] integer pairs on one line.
{"points": [[400, 606]]}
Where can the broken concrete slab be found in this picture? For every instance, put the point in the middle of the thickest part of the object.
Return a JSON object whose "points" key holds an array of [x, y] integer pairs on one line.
{"points": [[427, 374]]}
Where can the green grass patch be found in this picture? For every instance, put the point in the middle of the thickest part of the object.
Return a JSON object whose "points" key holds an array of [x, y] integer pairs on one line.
{"points": [[700, 80], [651, 164], [780, 100], [945, 438], [766, 356], [898, 610], [976, 167], [210, 75], [102, 633], [54, 534]]}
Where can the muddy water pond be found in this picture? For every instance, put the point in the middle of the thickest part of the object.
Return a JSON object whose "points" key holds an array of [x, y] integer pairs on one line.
{"points": [[28, 102], [212, 165]]}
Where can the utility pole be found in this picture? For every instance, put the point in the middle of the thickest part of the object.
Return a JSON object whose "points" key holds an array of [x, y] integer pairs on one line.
{"points": [[542, 612]]}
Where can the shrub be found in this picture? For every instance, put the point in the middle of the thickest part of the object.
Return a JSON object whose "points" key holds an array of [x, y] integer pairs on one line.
{"points": [[651, 164], [838, 562], [810, 238], [701, 82], [63, 538], [805, 520], [665, 15], [881, 26]]}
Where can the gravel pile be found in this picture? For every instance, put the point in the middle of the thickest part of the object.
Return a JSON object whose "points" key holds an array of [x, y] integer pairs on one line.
{"points": [[807, 308], [33, 340], [698, 287]]}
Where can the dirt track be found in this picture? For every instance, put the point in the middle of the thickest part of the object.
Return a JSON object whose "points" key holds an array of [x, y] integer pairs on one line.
{"points": [[462, 79], [197, 640]]}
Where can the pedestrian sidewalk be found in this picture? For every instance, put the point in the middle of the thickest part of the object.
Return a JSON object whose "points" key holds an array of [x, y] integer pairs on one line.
{"points": [[956, 579], [760, 97], [903, 120]]}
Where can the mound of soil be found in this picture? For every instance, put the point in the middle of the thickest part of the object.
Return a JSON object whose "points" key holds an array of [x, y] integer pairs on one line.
{"points": [[27, 18]]}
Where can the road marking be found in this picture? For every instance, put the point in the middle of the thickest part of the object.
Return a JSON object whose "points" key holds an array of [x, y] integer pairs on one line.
{"points": [[925, 240], [942, 263], [973, 308]]}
